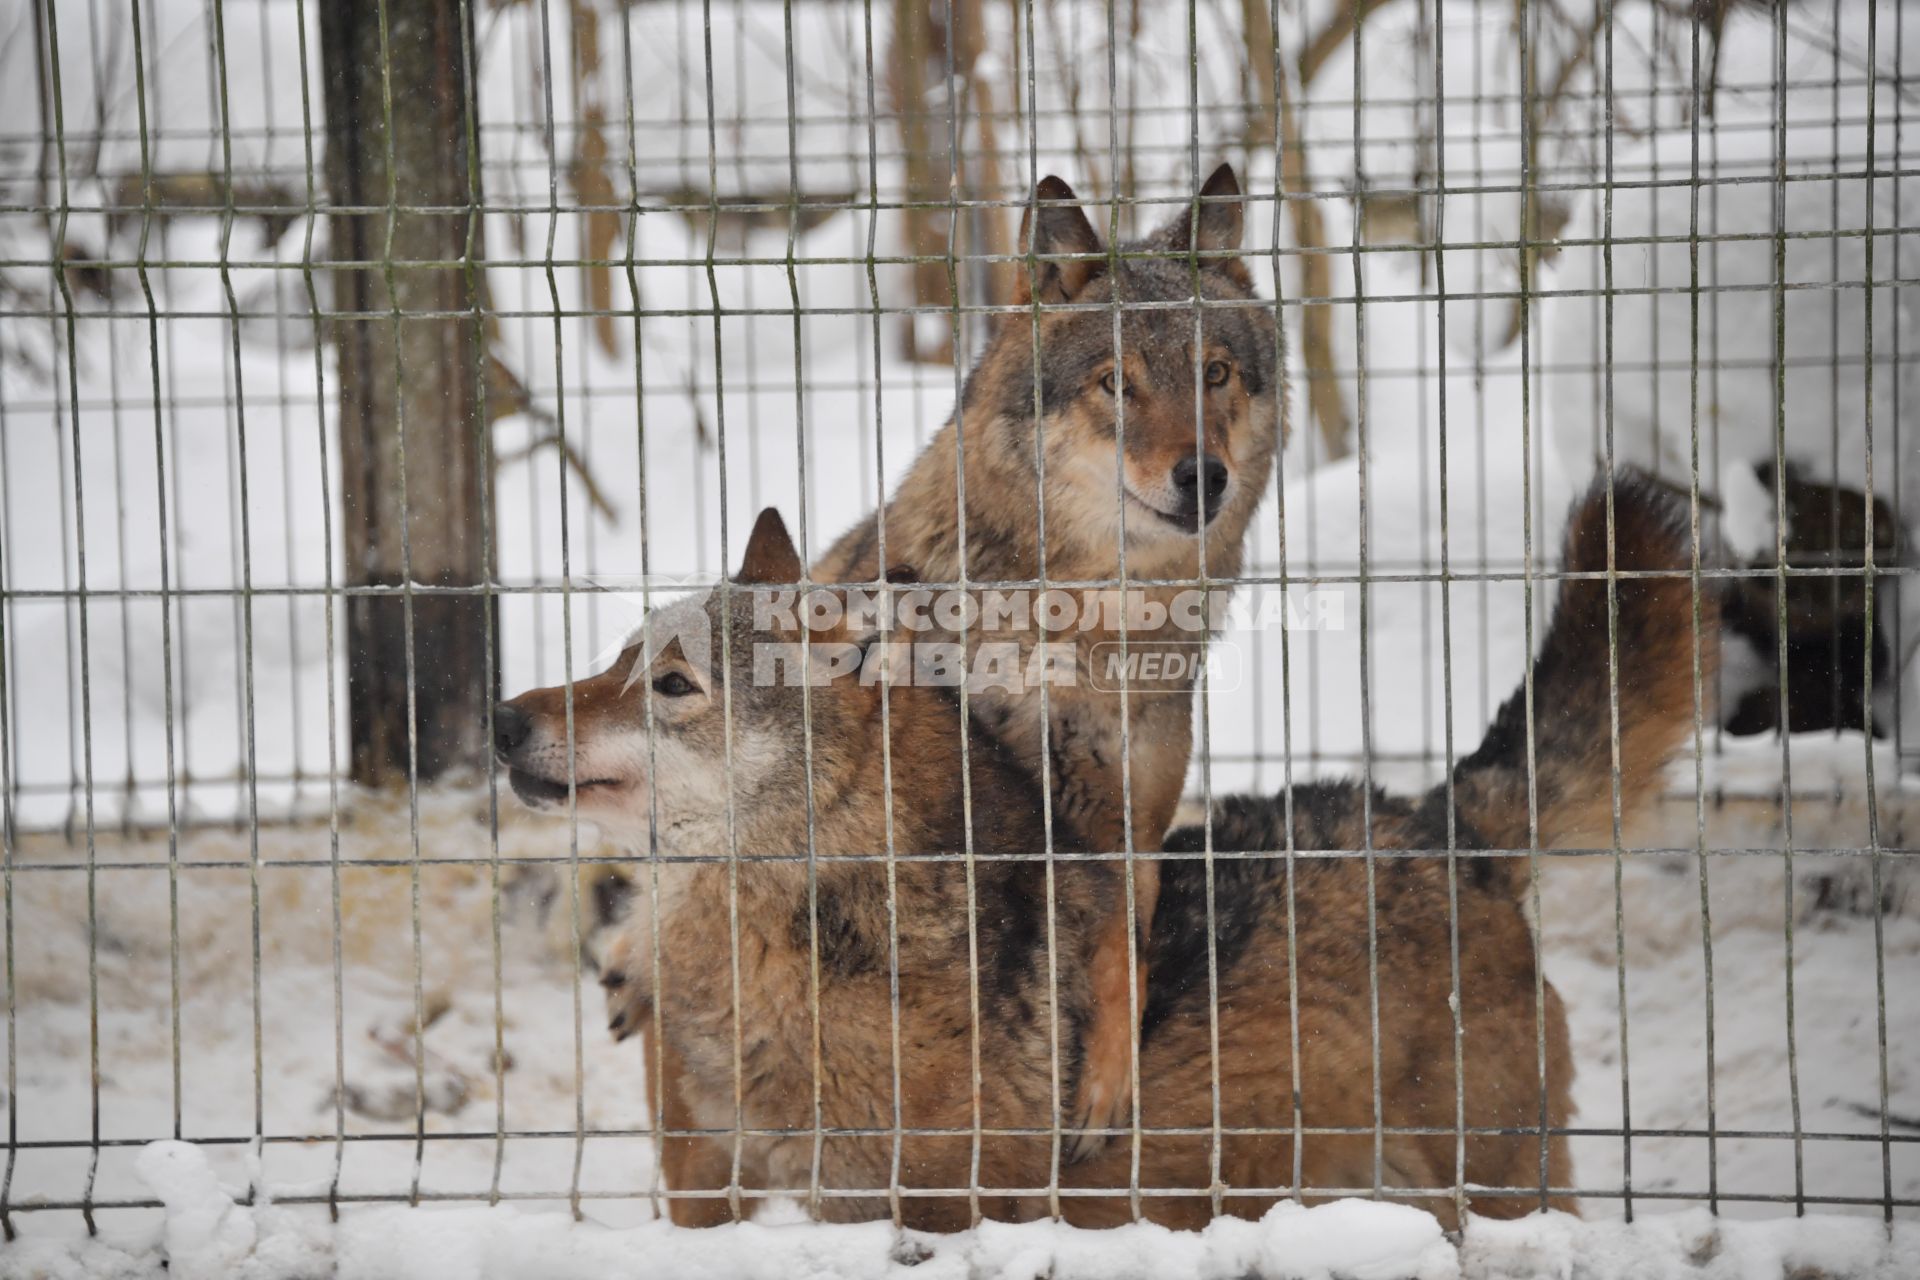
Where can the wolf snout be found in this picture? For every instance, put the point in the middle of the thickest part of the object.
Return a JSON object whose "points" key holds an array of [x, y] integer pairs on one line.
{"points": [[1200, 479], [511, 728]]}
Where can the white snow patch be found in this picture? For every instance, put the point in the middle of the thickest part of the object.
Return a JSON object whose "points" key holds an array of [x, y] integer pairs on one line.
{"points": [[1694, 1245], [1357, 1239], [206, 1234], [1747, 509]]}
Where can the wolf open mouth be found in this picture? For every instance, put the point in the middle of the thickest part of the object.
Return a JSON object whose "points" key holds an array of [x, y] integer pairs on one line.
{"points": [[534, 789]]}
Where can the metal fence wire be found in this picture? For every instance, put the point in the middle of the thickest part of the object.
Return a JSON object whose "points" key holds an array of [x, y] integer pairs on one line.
{"points": [[364, 362]]}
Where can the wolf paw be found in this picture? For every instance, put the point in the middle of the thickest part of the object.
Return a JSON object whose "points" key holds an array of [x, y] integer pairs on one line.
{"points": [[1106, 1095], [623, 978]]}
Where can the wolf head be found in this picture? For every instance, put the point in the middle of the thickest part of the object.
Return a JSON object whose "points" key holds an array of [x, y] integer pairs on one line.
{"points": [[1142, 393], [702, 720]]}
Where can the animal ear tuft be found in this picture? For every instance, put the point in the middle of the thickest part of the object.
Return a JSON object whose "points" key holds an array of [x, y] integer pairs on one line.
{"points": [[1215, 226], [1048, 229], [770, 557]]}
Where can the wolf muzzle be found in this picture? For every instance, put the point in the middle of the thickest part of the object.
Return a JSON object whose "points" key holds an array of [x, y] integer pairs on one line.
{"points": [[1198, 481]]}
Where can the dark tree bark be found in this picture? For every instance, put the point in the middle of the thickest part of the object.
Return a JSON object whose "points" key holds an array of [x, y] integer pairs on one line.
{"points": [[413, 486], [930, 39], [916, 63]]}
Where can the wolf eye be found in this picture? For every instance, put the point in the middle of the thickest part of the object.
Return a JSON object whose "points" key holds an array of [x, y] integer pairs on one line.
{"points": [[674, 685], [1216, 373], [1109, 380]]}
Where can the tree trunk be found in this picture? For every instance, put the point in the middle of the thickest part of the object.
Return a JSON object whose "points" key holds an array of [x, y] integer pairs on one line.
{"points": [[989, 230], [916, 64], [413, 488]]}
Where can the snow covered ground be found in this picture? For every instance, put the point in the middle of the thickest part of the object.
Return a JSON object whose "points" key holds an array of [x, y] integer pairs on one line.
{"points": [[207, 1236], [311, 1030]]}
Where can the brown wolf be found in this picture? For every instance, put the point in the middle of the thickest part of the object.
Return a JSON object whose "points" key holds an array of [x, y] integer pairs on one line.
{"points": [[789, 994], [709, 744], [1144, 443], [1540, 779]]}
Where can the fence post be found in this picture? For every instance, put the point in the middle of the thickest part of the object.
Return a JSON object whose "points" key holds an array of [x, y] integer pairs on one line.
{"points": [[411, 452]]}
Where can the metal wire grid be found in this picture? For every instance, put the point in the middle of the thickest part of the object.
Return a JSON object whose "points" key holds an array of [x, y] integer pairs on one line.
{"points": [[533, 156]]}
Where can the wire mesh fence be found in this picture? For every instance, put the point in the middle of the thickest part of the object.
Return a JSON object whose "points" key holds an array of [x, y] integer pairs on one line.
{"points": [[363, 363]]}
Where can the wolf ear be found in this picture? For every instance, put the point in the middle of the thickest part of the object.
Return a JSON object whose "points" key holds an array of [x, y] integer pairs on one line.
{"points": [[1055, 229], [770, 556], [1216, 225]]}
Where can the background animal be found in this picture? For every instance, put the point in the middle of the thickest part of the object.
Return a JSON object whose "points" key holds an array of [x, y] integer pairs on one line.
{"points": [[1426, 901]]}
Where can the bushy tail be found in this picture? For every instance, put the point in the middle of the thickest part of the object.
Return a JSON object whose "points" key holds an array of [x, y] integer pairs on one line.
{"points": [[1572, 711]]}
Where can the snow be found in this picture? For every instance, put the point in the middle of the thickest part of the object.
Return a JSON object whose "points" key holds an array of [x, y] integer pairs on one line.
{"points": [[529, 1087], [1357, 1239], [208, 1235], [1693, 1245]]}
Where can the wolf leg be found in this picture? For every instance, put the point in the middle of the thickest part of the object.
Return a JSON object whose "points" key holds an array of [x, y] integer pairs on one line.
{"points": [[1159, 739], [693, 1161], [1119, 991]]}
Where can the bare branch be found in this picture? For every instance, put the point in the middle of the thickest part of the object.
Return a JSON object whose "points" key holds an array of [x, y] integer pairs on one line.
{"points": [[1324, 400]]}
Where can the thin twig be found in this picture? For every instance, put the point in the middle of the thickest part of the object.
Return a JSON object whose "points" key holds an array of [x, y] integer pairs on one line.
{"points": [[596, 497]]}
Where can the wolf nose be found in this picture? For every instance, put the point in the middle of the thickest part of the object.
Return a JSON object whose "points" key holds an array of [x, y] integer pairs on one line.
{"points": [[1198, 478], [511, 727]]}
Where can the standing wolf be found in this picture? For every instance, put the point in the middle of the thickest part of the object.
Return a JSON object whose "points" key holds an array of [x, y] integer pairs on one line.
{"points": [[1136, 428]]}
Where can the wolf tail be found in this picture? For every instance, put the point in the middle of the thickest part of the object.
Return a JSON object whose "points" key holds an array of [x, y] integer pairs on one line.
{"points": [[1651, 664]]}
